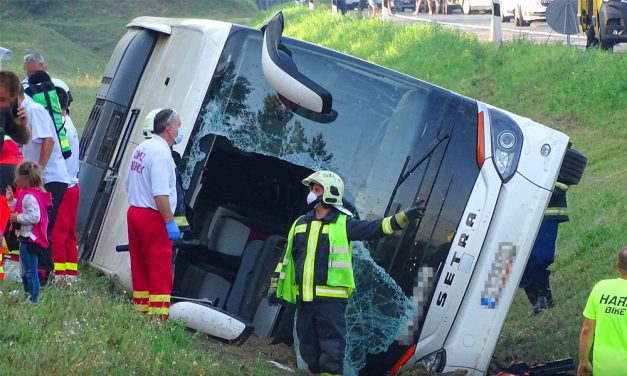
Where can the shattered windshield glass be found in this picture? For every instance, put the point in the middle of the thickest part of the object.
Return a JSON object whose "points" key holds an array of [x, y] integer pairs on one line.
{"points": [[377, 312], [380, 119]]}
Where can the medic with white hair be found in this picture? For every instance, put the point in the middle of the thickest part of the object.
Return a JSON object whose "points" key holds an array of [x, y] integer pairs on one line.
{"points": [[152, 198]]}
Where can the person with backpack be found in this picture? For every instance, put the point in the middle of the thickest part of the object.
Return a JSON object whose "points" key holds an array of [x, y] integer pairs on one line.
{"points": [[44, 149], [30, 216]]}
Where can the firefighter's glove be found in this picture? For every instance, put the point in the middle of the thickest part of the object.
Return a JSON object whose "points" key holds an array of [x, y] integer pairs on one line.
{"points": [[273, 299], [416, 211], [173, 231]]}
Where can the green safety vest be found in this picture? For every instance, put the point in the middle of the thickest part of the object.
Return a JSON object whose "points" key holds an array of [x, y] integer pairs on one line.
{"points": [[46, 95], [340, 281]]}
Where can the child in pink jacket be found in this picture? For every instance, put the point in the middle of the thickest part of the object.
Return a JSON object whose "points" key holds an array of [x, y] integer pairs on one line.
{"points": [[30, 219]]}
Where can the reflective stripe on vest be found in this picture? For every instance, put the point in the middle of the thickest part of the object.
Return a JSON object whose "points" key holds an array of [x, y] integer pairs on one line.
{"points": [[308, 272], [340, 273], [287, 288]]}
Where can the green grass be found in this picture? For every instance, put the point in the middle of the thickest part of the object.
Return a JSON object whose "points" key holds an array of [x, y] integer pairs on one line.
{"points": [[77, 37], [84, 330], [582, 93]]}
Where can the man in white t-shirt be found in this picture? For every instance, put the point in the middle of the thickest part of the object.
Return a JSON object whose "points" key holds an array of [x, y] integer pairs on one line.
{"points": [[44, 148], [151, 187], [63, 236]]}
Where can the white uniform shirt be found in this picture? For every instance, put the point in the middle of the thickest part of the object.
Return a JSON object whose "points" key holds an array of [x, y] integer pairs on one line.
{"points": [[41, 127], [151, 174], [72, 163]]}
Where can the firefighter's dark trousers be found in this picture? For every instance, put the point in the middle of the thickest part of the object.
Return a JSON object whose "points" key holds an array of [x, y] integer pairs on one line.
{"points": [[321, 330], [542, 256]]}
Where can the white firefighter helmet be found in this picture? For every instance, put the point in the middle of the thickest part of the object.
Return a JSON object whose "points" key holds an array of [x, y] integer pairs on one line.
{"points": [[149, 122], [333, 188]]}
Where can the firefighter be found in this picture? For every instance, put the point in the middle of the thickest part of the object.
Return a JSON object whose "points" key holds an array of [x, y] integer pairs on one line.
{"points": [[151, 188], [316, 272], [535, 279]]}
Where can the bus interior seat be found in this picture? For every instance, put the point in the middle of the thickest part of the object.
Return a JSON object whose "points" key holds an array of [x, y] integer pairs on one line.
{"points": [[226, 234], [252, 253], [257, 279], [214, 288]]}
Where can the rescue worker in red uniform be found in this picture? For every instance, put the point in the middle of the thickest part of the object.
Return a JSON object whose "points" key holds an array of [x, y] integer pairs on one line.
{"points": [[63, 236], [535, 279], [316, 272], [151, 187]]}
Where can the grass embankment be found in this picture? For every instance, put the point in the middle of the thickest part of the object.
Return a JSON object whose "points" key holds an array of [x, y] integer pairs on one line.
{"points": [[84, 330], [582, 93], [77, 37]]}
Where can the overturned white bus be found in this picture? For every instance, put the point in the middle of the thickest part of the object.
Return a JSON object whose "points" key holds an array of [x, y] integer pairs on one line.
{"points": [[267, 110]]}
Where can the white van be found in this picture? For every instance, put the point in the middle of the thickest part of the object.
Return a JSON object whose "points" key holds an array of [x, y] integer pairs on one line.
{"points": [[263, 111], [524, 11]]}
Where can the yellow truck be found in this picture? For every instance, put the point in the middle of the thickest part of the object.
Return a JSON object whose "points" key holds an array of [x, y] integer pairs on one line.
{"points": [[603, 21]]}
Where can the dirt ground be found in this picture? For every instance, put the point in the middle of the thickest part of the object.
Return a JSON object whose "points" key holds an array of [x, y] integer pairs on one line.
{"points": [[253, 353], [257, 350]]}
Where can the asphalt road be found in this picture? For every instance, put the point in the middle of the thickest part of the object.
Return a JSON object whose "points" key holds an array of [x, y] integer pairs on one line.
{"points": [[479, 23]]}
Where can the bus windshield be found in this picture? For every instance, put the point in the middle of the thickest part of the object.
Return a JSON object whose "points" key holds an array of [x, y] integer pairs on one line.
{"points": [[380, 117]]}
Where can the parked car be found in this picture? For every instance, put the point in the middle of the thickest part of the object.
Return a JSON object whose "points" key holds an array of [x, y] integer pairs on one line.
{"points": [[264, 111], [403, 5], [469, 6], [523, 11]]}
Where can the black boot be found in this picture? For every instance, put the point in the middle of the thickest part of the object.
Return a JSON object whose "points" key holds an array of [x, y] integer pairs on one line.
{"points": [[532, 294]]}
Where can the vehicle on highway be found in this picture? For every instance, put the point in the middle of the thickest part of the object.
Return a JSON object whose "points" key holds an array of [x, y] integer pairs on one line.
{"points": [[263, 111], [604, 21], [523, 11], [404, 5]]}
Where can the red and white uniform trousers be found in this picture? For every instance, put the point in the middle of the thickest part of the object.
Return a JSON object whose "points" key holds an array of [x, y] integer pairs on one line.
{"points": [[151, 261], [63, 236]]}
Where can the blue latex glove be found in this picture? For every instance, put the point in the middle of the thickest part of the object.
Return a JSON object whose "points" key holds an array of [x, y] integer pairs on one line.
{"points": [[173, 231]]}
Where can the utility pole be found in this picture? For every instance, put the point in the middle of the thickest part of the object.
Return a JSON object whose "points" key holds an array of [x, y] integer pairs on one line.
{"points": [[496, 34]]}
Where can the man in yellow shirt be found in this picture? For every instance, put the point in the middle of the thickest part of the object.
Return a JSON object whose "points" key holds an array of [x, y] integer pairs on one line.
{"points": [[605, 324]]}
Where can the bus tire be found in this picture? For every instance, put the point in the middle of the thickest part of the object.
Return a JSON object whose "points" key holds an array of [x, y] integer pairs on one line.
{"points": [[573, 166]]}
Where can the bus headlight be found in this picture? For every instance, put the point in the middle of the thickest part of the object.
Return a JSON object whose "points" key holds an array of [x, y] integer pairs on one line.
{"points": [[507, 140], [435, 361]]}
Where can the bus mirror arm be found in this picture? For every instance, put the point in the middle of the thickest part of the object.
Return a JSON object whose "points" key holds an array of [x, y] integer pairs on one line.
{"points": [[283, 75]]}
